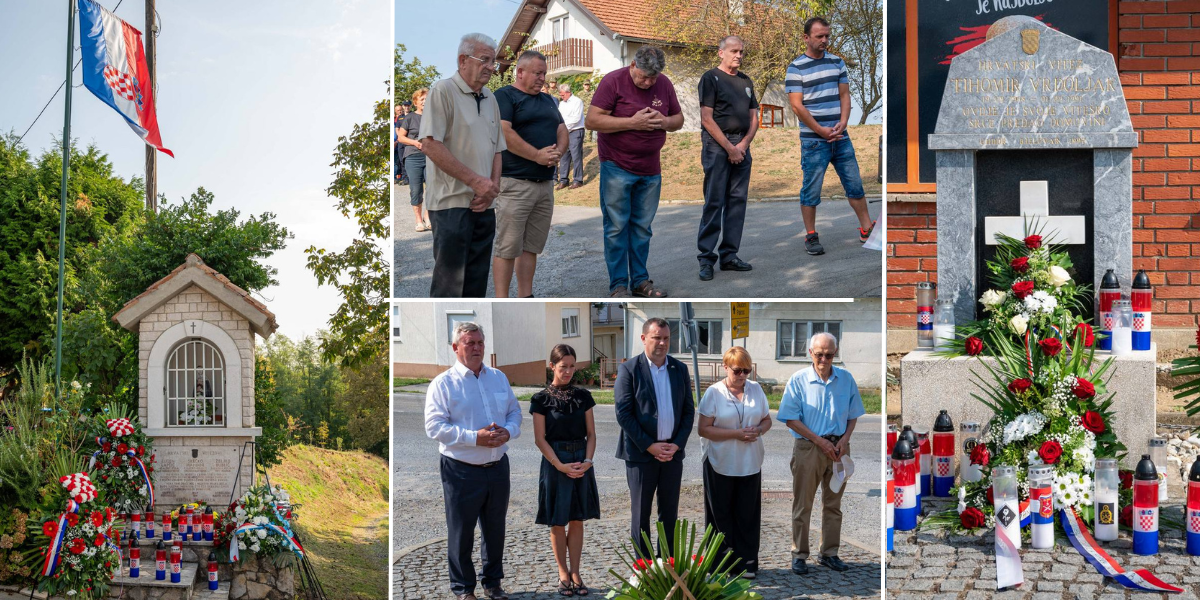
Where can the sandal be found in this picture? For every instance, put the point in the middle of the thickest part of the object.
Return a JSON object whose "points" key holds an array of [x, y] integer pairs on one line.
{"points": [[580, 589], [420, 227], [620, 292], [566, 588], [647, 290]]}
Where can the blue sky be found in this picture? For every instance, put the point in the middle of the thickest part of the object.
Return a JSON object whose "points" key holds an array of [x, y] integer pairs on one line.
{"points": [[252, 97]]}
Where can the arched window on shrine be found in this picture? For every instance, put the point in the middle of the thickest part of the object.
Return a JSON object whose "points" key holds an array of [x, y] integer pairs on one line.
{"points": [[195, 385]]}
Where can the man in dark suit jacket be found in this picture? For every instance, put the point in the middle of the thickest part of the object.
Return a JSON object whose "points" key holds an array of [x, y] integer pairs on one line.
{"points": [[653, 397]]}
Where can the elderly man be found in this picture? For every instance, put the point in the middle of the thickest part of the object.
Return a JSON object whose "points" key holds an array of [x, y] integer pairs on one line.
{"points": [[654, 408], [819, 91], [820, 405], [633, 110], [536, 139], [729, 116], [462, 137], [571, 108], [472, 413]]}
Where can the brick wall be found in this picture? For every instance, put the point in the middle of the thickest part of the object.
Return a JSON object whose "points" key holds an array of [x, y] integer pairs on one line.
{"points": [[1159, 64]]}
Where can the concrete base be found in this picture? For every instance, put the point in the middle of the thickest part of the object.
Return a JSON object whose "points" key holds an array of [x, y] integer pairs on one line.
{"points": [[930, 384]]}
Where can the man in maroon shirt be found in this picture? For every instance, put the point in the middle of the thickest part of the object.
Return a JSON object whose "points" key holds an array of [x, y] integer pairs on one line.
{"points": [[632, 111]]}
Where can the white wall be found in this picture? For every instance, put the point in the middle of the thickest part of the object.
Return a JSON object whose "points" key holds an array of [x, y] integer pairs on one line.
{"points": [[581, 343], [606, 52], [519, 332], [417, 342]]}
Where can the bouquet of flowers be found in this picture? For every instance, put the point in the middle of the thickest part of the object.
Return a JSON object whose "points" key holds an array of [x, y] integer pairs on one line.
{"points": [[705, 575], [260, 525], [81, 551], [123, 460]]}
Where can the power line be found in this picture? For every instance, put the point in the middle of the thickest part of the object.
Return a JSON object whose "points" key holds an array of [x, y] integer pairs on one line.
{"points": [[60, 87]]}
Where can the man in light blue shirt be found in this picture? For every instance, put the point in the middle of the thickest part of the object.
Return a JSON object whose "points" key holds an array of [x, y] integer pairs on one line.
{"points": [[820, 405], [472, 412]]}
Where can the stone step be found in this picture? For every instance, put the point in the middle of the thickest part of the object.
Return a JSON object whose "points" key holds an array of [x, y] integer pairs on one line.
{"points": [[203, 593], [146, 587]]}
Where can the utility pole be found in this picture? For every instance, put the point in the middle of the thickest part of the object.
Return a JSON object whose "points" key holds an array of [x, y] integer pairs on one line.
{"points": [[151, 152]]}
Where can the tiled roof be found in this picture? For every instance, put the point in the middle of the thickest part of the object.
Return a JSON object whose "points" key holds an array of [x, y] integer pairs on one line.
{"points": [[630, 18], [195, 262]]}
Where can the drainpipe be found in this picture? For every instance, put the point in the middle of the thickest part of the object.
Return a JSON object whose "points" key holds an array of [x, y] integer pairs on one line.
{"points": [[617, 36]]}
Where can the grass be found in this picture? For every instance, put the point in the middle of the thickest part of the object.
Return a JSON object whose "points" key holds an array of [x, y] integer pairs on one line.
{"points": [[872, 399], [343, 517], [403, 381], [776, 171]]}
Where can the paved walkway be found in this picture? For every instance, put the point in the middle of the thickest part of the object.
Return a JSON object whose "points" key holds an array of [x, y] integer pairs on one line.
{"points": [[572, 265], [946, 566]]}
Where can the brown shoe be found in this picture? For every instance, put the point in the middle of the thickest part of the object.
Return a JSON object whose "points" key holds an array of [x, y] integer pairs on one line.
{"points": [[620, 292], [561, 186], [575, 186]]}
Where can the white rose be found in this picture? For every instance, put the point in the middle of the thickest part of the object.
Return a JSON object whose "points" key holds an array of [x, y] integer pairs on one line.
{"points": [[993, 298], [262, 534], [1059, 276], [1018, 324], [255, 548]]}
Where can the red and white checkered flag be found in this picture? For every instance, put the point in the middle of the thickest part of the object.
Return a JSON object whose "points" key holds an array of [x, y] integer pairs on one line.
{"points": [[119, 427], [79, 486]]}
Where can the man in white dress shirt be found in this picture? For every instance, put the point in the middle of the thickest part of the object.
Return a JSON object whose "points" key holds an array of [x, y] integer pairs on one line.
{"points": [[572, 111], [472, 413]]}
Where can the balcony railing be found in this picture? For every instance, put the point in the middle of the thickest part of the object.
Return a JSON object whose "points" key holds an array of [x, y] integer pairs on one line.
{"points": [[572, 55]]}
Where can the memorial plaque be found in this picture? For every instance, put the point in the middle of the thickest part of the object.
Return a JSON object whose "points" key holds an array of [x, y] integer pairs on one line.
{"points": [[206, 473]]}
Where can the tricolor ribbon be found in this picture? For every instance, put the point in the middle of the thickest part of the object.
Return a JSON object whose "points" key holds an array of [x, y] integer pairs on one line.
{"points": [[56, 544], [145, 474], [1008, 560], [271, 528], [1141, 579]]}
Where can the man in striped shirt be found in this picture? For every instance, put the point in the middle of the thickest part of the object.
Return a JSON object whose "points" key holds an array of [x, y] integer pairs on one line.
{"points": [[819, 92]]}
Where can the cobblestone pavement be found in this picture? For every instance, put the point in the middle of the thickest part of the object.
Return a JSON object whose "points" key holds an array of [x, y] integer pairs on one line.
{"points": [[947, 566], [530, 572]]}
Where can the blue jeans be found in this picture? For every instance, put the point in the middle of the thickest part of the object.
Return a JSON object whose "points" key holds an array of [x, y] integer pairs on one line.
{"points": [[815, 156], [628, 203]]}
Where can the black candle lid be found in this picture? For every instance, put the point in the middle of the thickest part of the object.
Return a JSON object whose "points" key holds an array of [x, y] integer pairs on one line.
{"points": [[1110, 281], [910, 436], [1146, 470], [159, 545], [1141, 281], [902, 450], [943, 422], [1195, 474]]}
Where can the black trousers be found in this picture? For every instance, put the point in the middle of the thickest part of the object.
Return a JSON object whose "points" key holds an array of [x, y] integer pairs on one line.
{"points": [[726, 186], [648, 480], [733, 506], [462, 252], [475, 494]]}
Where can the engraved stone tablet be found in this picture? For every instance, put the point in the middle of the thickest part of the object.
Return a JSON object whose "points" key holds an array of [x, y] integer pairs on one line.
{"points": [[205, 473]]}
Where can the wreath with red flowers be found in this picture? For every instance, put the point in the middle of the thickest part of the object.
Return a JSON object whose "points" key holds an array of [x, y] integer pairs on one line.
{"points": [[87, 556], [119, 444]]}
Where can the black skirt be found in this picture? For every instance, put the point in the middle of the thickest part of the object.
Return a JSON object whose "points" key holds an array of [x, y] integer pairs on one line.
{"points": [[562, 499]]}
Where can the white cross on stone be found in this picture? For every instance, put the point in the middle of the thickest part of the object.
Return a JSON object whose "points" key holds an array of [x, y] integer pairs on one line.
{"points": [[1035, 209]]}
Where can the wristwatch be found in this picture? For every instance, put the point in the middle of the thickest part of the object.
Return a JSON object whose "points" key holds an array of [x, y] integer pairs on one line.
{"points": [[587, 460]]}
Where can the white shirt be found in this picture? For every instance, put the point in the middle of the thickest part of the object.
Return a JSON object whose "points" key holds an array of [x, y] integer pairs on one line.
{"points": [[571, 110], [458, 404], [662, 393], [734, 458]]}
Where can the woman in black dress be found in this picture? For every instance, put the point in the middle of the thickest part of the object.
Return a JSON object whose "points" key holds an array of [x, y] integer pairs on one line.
{"points": [[565, 432]]}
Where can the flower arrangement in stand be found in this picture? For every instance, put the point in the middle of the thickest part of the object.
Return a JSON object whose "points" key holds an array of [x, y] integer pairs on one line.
{"points": [[705, 575], [81, 553], [123, 460], [261, 526], [1048, 397]]}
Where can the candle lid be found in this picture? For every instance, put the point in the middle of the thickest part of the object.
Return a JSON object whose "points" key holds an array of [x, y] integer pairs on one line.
{"points": [[902, 450], [1158, 442], [926, 285], [159, 545], [1106, 463], [1141, 281], [969, 426], [943, 422], [1110, 281], [1195, 473], [1146, 470]]}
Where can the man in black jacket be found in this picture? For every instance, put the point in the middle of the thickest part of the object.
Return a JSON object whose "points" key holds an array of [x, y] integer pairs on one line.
{"points": [[653, 397]]}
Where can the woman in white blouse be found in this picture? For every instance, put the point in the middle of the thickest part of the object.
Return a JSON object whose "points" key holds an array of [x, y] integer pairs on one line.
{"points": [[734, 414]]}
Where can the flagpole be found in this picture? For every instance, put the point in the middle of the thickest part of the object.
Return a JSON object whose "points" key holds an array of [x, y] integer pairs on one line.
{"points": [[151, 152], [62, 211]]}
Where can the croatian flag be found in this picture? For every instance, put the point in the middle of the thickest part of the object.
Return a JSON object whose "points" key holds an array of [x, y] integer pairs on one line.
{"points": [[906, 490], [114, 69]]}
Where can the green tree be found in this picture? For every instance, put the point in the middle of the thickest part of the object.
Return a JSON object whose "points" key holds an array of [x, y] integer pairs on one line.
{"points": [[858, 27], [364, 401], [411, 75], [308, 385], [360, 272], [268, 414]]}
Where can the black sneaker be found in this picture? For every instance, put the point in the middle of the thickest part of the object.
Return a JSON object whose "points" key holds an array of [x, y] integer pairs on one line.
{"points": [[813, 245], [835, 563], [864, 234], [735, 264], [799, 567], [706, 272]]}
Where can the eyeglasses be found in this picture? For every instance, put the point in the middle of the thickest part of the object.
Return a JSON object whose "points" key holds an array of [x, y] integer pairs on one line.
{"points": [[823, 355], [740, 372], [495, 66]]}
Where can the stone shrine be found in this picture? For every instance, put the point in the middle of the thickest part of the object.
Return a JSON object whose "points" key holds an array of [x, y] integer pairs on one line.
{"points": [[1033, 128], [196, 333]]}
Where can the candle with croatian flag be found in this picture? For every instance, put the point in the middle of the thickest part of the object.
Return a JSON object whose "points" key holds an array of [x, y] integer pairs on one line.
{"points": [[925, 294], [892, 435], [890, 513], [925, 458], [914, 446], [1041, 505], [149, 523], [1110, 291], [1145, 507], [943, 455], [970, 437], [1140, 297], [160, 562], [189, 525], [136, 532], [1108, 493], [1158, 455], [212, 570], [208, 523], [906, 489], [1193, 509], [135, 557], [177, 561], [1006, 503]]}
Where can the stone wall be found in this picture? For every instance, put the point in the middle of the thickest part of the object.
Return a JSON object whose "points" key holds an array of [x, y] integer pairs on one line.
{"points": [[259, 579]]}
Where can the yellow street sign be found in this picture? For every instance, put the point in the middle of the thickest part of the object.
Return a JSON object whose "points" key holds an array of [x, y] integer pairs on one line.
{"points": [[739, 319]]}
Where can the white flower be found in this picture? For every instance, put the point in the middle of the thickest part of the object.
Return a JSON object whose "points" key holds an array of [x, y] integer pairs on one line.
{"points": [[241, 545], [993, 298], [262, 534], [633, 581], [1018, 324], [1059, 276], [1033, 458], [255, 547]]}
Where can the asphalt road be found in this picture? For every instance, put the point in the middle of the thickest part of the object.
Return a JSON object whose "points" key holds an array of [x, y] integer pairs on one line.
{"points": [[418, 509], [572, 265]]}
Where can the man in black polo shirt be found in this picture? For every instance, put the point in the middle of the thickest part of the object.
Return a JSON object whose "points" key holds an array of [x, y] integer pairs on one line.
{"points": [[536, 138], [729, 116]]}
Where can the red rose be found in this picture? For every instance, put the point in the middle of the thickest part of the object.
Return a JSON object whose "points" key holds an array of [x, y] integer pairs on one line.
{"points": [[990, 499], [1050, 346], [1020, 264], [1127, 515], [141, 450], [1126, 479], [1093, 422], [107, 447], [50, 528], [1033, 242], [78, 546], [1050, 451], [72, 520], [972, 518], [974, 346], [1020, 386], [980, 455], [122, 448], [1083, 389], [1021, 289], [116, 461], [642, 564], [1088, 336]]}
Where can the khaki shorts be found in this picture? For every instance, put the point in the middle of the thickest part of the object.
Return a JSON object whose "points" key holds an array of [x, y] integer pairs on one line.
{"points": [[523, 212]]}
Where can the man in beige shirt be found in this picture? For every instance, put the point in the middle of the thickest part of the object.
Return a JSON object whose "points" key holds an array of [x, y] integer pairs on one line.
{"points": [[461, 136]]}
